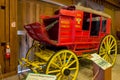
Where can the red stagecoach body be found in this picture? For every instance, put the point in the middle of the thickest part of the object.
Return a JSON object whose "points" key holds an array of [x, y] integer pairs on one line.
{"points": [[77, 30]]}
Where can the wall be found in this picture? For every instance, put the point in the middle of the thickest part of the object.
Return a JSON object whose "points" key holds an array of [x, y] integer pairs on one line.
{"points": [[66, 2], [111, 12], [29, 11], [117, 20], [8, 34]]}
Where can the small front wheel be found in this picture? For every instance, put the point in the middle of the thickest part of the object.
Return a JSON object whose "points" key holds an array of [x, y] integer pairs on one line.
{"points": [[64, 64]]}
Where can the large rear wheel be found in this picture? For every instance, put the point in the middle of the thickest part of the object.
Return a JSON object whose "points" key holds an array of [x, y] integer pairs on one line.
{"points": [[108, 49]]}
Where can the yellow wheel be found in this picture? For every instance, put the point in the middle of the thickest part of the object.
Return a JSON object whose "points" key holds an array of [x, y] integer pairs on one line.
{"points": [[108, 49], [32, 58], [64, 64], [30, 53]]}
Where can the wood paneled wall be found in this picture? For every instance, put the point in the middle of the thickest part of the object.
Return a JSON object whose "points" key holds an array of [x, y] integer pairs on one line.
{"points": [[9, 35], [2, 34], [30, 10], [13, 35], [66, 2], [111, 12], [117, 20]]}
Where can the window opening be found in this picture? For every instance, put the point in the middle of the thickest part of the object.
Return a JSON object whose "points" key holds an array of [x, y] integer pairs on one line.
{"points": [[86, 21], [95, 25], [103, 24]]}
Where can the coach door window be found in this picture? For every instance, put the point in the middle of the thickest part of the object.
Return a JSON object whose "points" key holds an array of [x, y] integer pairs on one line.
{"points": [[103, 25], [86, 21], [95, 25]]}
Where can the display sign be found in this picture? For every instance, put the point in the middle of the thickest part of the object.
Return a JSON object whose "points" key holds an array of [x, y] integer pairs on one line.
{"points": [[100, 61], [33, 76]]}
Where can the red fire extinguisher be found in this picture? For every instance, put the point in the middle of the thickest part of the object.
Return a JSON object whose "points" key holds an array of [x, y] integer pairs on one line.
{"points": [[7, 54]]}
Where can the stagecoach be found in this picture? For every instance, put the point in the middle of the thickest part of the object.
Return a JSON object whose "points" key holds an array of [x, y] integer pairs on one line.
{"points": [[66, 36]]}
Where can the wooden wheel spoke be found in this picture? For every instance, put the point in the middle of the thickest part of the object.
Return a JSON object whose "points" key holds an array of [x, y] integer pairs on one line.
{"points": [[59, 78], [104, 57], [104, 43], [102, 53], [69, 60], [60, 60], [113, 50], [64, 57], [110, 59], [54, 71], [102, 50], [111, 42], [56, 65], [58, 74], [71, 63], [72, 69], [107, 44], [112, 46]]}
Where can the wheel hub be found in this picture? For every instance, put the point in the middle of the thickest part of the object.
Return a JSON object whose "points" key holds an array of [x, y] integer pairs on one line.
{"points": [[66, 72]]}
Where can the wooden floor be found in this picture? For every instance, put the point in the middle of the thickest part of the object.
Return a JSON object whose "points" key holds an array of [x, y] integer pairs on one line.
{"points": [[85, 72]]}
